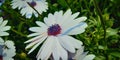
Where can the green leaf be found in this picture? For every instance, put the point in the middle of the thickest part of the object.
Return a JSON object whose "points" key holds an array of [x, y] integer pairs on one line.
{"points": [[62, 3], [99, 58], [116, 54], [111, 32]]}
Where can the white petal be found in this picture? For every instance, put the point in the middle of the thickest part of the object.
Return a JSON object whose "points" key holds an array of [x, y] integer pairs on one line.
{"points": [[41, 6], [46, 49], [36, 14], [41, 24], [4, 23], [65, 41], [65, 19], [33, 34], [5, 28], [18, 4], [76, 43], [64, 54], [77, 29], [37, 29], [79, 54], [28, 15], [4, 33], [81, 19], [58, 17], [6, 58], [29, 12], [39, 42], [9, 52], [50, 20], [59, 51], [35, 38], [1, 41], [67, 14], [1, 20], [32, 43], [56, 51], [23, 11], [75, 15], [9, 44]]}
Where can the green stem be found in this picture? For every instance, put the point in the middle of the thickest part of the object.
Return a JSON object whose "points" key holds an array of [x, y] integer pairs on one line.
{"points": [[103, 25], [87, 6], [19, 33], [34, 9], [67, 4], [101, 17]]}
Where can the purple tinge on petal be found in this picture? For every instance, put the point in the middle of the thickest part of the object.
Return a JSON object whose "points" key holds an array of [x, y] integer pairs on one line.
{"points": [[70, 56]]}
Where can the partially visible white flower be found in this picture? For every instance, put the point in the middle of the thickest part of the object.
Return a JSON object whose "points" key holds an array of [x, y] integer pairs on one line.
{"points": [[81, 55], [7, 50], [1, 2], [3, 27], [55, 35], [27, 10], [19, 4]]}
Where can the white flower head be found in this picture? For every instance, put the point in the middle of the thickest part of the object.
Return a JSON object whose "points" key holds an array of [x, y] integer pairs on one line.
{"points": [[26, 7], [7, 50], [3, 27], [55, 35], [81, 55], [1, 2]]}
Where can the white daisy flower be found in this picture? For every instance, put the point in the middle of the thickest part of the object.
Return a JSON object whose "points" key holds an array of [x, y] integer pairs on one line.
{"points": [[1, 2], [7, 50], [19, 4], [81, 55], [3, 27], [55, 35], [27, 10]]}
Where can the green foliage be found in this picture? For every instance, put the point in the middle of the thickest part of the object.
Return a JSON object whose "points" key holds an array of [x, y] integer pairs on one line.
{"points": [[100, 38]]}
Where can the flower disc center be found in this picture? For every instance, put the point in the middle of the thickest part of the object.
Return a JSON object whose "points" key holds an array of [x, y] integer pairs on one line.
{"points": [[33, 4], [54, 30]]}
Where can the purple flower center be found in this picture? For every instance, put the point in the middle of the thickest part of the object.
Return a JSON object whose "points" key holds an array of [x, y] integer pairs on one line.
{"points": [[1, 58], [54, 30], [33, 4]]}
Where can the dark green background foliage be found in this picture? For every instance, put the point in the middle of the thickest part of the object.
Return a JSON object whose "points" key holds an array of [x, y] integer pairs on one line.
{"points": [[102, 36]]}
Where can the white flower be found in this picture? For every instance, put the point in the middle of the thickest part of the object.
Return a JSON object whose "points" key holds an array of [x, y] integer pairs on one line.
{"points": [[19, 4], [7, 50], [55, 35], [1, 2], [27, 10], [3, 27], [81, 55]]}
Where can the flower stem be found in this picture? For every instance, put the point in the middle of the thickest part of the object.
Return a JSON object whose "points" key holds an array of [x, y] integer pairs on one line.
{"points": [[67, 4], [103, 25], [19, 33], [34, 9], [101, 18]]}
